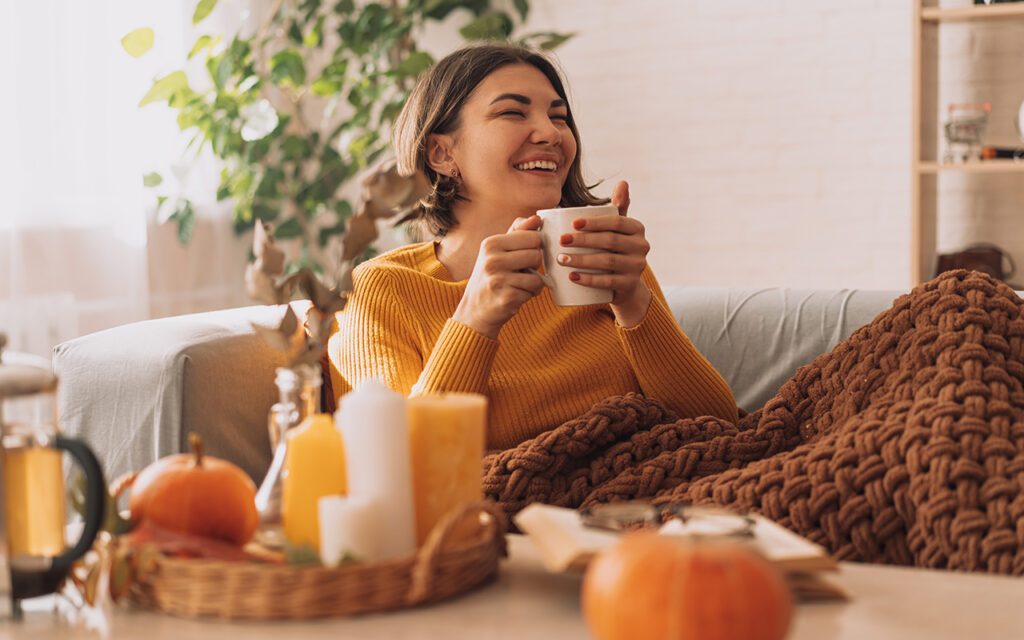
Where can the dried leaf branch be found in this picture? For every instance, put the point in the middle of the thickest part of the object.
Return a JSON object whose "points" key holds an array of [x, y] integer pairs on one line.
{"points": [[385, 195]]}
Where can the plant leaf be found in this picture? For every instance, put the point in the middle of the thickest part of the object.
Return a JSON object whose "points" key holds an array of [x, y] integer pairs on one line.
{"points": [[201, 43], [302, 554], [269, 256], [262, 287], [523, 7], [185, 216], [415, 64], [287, 67], [203, 9], [360, 231], [120, 572], [165, 87], [138, 42], [555, 40], [390, 192], [92, 582], [113, 521], [490, 26], [324, 299], [282, 336], [290, 228], [152, 179], [325, 87]]}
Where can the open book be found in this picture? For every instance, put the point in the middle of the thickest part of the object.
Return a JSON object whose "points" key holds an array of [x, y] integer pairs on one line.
{"points": [[566, 544]]}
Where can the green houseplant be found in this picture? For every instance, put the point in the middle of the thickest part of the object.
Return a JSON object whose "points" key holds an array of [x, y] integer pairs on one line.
{"points": [[298, 109]]}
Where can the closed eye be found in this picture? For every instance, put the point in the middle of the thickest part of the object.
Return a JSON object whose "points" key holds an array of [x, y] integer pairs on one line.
{"points": [[519, 114]]}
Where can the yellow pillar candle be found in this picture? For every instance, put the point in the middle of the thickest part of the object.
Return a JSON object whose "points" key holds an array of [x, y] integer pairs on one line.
{"points": [[314, 468], [446, 443]]}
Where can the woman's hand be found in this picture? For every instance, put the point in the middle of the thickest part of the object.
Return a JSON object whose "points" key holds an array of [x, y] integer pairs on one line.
{"points": [[499, 285], [625, 258]]}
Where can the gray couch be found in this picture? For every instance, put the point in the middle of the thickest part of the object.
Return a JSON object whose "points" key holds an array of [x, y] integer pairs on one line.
{"points": [[135, 391]]}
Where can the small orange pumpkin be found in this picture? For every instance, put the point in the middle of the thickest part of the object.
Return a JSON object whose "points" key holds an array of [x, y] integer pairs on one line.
{"points": [[654, 587], [196, 494]]}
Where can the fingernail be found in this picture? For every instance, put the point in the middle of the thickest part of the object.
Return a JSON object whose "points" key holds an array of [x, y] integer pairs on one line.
{"points": [[574, 276], [566, 238], [563, 258], [579, 224]]}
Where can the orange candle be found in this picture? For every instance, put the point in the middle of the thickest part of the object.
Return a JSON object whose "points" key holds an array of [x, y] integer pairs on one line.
{"points": [[314, 468], [446, 444]]}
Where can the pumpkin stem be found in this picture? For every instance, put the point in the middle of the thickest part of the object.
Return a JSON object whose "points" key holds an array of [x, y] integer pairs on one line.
{"points": [[197, 447]]}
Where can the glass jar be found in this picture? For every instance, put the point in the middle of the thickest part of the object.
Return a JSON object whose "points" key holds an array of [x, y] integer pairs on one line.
{"points": [[299, 396]]}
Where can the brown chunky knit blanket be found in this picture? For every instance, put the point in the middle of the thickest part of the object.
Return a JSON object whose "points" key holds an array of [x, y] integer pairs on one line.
{"points": [[904, 444]]}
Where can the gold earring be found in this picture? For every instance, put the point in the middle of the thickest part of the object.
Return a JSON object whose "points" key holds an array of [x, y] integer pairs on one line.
{"points": [[455, 172]]}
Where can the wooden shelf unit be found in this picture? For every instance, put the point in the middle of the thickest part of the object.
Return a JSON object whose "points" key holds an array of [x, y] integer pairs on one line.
{"points": [[973, 12], [926, 169], [978, 166]]}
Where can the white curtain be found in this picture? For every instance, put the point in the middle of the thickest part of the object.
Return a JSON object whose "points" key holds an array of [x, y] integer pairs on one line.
{"points": [[79, 250]]}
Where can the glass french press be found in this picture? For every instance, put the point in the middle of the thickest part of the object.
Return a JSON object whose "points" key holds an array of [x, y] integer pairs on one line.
{"points": [[33, 556]]}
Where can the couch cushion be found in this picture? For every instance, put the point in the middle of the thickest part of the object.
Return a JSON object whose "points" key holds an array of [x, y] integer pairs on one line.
{"points": [[757, 338]]}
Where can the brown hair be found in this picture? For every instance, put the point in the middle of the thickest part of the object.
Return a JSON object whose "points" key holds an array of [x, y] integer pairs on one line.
{"points": [[435, 105]]}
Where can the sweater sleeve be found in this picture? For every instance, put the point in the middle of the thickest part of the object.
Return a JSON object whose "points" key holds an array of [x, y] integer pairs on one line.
{"points": [[381, 335], [670, 368]]}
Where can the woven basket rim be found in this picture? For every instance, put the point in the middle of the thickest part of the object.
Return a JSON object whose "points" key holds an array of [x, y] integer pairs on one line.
{"points": [[442, 567]]}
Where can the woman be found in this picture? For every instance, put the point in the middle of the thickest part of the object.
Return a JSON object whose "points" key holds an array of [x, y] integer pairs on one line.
{"points": [[492, 129]]}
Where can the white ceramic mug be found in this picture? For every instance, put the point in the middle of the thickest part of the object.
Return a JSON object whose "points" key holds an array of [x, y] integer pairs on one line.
{"points": [[557, 222]]}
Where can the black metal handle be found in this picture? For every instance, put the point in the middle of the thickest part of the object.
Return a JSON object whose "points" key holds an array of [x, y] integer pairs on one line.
{"points": [[95, 499]]}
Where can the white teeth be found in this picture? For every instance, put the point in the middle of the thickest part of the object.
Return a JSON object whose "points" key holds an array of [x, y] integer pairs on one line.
{"points": [[537, 164]]}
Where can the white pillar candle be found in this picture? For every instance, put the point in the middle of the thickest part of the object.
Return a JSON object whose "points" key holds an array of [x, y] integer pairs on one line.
{"points": [[375, 431], [349, 526]]}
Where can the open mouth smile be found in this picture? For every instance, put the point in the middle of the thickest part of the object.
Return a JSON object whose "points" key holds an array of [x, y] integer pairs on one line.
{"points": [[537, 165]]}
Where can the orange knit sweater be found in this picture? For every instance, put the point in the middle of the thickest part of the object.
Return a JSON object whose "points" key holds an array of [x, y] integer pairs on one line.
{"points": [[549, 364]]}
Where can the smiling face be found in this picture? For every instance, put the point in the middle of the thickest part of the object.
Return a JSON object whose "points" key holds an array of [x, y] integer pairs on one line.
{"points": [[512, 148]]}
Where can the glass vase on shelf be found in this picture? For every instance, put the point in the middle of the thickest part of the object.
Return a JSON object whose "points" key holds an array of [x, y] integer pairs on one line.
{"points": [[299, 392]]}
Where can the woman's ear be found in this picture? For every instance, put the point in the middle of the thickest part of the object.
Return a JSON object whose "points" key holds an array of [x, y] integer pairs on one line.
{"points": [[439, 153]]}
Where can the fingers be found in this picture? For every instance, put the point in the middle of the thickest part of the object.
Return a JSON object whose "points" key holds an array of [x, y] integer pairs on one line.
{"points": [[610, 233], [620, 197], [618, 224], [617, 282], [605, 261], [511, 261], [526, 224]]}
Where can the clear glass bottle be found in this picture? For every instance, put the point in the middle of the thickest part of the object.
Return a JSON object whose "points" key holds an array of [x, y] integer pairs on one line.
{"points": [[299, 390]]}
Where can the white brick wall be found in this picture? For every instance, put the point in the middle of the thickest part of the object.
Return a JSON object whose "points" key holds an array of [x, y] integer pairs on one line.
{"points": [[766, 142]]}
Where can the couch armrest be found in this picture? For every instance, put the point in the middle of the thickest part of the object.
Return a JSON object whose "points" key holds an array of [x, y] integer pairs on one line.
{"points": [[134, 392]]}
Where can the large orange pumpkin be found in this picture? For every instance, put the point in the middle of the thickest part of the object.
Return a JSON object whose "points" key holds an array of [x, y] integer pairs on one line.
{"points": [[196, 494], [658, 588]]}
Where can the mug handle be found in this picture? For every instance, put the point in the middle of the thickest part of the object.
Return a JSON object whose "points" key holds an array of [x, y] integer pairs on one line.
{"points": [[95, 499]]}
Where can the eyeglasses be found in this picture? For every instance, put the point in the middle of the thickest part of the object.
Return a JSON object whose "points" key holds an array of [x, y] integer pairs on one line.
{"points": [[693, 520]]}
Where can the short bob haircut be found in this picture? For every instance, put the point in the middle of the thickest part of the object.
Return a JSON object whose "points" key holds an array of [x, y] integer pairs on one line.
{"points": [[435, 105]]}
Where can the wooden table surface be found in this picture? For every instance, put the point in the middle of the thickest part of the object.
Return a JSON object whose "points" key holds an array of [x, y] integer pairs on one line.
{"points": [[526, 602]]}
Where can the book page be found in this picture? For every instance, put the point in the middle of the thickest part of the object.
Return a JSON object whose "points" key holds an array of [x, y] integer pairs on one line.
{"points": [[565, 543]]}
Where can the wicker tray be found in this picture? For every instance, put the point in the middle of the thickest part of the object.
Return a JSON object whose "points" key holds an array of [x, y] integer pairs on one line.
{"points": [[443, 567]]}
